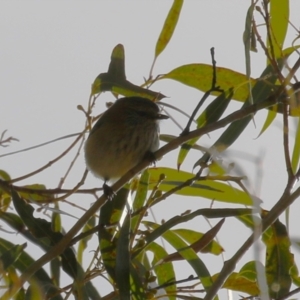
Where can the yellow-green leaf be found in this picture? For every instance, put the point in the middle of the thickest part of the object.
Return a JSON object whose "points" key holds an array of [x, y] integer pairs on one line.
{"points": [[114, 79], [169, 27], [210, 189], [139, 200], [84, 241], [211, 114], [188, 254], [236, 282], [248, 271], [199, 76], [269, 120], [261, 90], [279, 18], [279, 260], [192, 236], [111, 213], [37, 196], [165, 273], [296, 150], [4, 175], [248, 37]]}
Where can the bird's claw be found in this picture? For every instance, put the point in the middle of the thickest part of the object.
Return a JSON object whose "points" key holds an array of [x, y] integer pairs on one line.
{"points": [[108, 192]]}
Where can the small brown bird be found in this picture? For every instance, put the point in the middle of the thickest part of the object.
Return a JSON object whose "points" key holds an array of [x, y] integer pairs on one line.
{"points": [[122, 137]]}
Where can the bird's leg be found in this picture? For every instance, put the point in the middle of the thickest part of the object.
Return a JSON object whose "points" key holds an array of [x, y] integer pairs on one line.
{"points": [[108, 191], [150, 157]]}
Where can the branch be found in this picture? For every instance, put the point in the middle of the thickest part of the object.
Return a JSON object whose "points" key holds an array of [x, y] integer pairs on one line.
{"points": [[284, 202], [214, 88], [174, 144]]}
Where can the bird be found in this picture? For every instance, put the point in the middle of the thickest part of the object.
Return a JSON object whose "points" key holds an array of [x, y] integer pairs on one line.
{"points": [[123, 136]]}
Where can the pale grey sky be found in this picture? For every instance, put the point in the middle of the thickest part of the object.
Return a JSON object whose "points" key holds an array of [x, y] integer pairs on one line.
{"points": [[52, 51]]}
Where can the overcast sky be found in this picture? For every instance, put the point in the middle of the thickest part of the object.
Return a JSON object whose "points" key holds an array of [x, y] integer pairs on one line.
{"points": [[52, 51]]}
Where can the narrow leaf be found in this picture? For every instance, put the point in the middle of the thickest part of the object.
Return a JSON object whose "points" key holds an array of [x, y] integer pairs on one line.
{"points": [[260, 92], [83, 242], [279, 18], [123, 261], [192, 236], [239, 283], [210, 189], [42, 230], [189, 255], [8, 257], [36, 196], [247, 36], [111, 213], [211, 114], [279, 260], [296, 150], [164, 272], [269, 120], [114, 79], [169, 27], [199, 76], [139, 200], [198, 245], [22, 264]]}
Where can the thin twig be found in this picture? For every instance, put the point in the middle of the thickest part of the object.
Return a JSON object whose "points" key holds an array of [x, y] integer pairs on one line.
{"points": [[7, 186], [4, 141], [213, 88], [174, 144], [50, 163]]}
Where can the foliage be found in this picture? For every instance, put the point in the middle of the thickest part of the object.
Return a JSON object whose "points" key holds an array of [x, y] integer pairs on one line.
{"points": [[129, 254]]}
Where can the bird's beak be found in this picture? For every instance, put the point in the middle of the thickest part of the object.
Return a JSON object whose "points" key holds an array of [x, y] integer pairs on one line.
{"points": [[162, 117]]}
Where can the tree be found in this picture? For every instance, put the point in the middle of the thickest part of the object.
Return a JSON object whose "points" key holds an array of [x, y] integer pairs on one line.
{"points": [[125, 251]]}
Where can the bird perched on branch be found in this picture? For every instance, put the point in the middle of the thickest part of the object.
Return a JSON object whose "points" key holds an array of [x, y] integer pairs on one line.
{"points": [[122, 137]]}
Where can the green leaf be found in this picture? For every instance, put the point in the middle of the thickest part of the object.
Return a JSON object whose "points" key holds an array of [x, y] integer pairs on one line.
{"points": [[188, 254], [191, 236], [211, 114], [34, 291], [199, 76], [139, 200], [56, 219], [269, 120], [111, 213], [123, 261], [261, 90], [296, 149], [279, 20], [247, 37], [295, 275], [210, 189], [5, 198], [279, 260], [15, 222], [36, 196], [8, 257], [23, 262], [114, 79], [206, 212], [248, 271], [239, 283], [42, 230], [197, 245], [9, 278], [4, 175], [164, 272], [169, 27], [137, 281], [83, 242]]}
